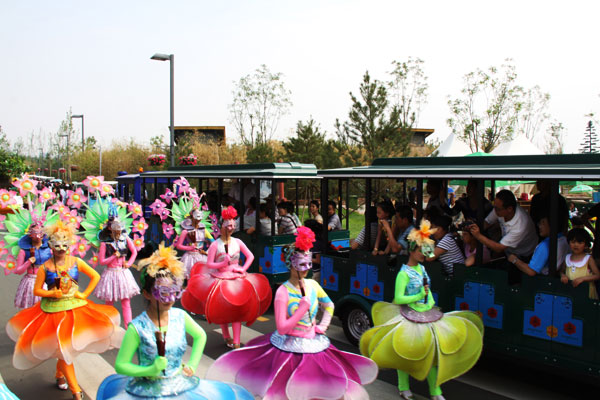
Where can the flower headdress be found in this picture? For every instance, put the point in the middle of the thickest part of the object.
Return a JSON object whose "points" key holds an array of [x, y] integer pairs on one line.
{"points": [[305, 238], [162, 263], [229, 213], [421, 238]]}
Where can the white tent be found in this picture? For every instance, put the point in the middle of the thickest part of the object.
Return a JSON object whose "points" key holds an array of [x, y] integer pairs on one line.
{"points": [[519, 146], [453, 147]]}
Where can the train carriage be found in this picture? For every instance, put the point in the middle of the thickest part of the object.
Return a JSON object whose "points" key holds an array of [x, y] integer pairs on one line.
{"points": [[539, 319]]}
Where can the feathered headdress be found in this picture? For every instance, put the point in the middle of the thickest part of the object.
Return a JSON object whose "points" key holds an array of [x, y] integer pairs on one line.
{"points": [[305, 238], [229, 213], [421, 238], [60, 231], [163, 262]]}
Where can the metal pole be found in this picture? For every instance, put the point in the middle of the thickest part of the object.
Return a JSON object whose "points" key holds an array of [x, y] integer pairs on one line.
{"points": [[172, 126], [100, 151], [82, 135]]}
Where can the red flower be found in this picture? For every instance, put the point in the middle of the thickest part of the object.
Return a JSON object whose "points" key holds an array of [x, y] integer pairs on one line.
{"points": [[376, 288], [356, 284], [331, 279], [63, 273], [305, 238], [492, 312], [569, 328], [229, 213], [535, 321], [464, 305], [268, 264]]}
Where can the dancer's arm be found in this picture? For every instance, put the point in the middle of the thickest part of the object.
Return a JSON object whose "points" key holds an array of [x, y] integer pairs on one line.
{"points": [[129, 346], [92, 274], [38, 287], [212, 253], [327, 306], [199, 336], [22, 263], [180, 240], [285, 324], [102, 255], [402, 280], [133, 251], [248, 254]]}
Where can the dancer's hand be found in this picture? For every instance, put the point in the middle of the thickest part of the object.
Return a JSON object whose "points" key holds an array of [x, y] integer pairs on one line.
{"points": [[239, 270], [187, 371], [117, 254], [56, 293], [318, 329], [32, 260], [79, 295], [160, 364], [227, 258]]}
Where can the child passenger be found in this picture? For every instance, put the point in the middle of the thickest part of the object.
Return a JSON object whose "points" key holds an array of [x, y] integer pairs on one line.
{"points": [[579, 265], [446, 249]]}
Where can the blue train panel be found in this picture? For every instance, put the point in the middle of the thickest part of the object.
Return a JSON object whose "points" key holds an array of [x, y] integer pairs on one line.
{"points": [[329, 279], [366, 282], [272, 261], [480, 298], [552, 319]]}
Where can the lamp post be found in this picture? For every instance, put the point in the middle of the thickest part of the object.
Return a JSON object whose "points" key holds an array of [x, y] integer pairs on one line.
{"points": [[68, 171], [82, 136], [171, 59]]}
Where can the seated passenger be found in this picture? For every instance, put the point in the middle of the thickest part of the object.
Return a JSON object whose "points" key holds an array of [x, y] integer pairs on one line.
{"points": [[360, 241], [518, 232], [286, 224], [385, 211], [470, 248], [540, 204], [446, 250], [333, 221], [539, 263], [264, 223], [319, 247], [314, 211], [579, 266], [403, 225], [250, 214], [437, 196], [469, 204]]}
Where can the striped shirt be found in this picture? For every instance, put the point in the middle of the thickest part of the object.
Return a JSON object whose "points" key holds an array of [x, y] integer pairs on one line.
{"points": [[453, 254]]}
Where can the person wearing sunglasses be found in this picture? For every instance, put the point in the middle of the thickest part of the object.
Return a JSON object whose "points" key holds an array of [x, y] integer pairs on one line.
{"points": [[158, 337]]}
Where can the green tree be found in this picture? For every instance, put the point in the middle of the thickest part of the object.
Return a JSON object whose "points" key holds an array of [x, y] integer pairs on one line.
{"points": [[11, 163], [408, 89], [590, 140], [374, 128], [259, 101], [308, 144]]}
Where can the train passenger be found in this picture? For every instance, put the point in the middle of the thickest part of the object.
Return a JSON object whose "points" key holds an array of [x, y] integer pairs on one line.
{"points": [[319, 247], [437, 196], [446, 250], [540, 204], [314, 211], [250, 214], [539, 263], [385, 211], [333, 221], [470, 248], [403, 226], [579, 266], [360, 241], [287, 223], [518, 232], [469, 204], [264, 223]]}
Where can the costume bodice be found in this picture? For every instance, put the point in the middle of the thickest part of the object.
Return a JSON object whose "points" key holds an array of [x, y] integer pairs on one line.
{"points": [[73, 273], [233, 250], [415, 282], [69, 284], [175, 340], [196, 236], [294, 296], [119, 245]]}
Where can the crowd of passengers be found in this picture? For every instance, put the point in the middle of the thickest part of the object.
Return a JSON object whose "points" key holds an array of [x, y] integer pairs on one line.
{"points": [[509, 232]]}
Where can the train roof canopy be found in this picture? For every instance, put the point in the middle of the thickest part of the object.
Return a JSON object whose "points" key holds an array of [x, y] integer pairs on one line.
{"points": [[563, 166], [259, 171]]}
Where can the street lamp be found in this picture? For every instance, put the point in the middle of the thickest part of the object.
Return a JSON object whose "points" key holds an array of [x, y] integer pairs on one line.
{"points": [[82, 137], [68, 171], [171, 59]]}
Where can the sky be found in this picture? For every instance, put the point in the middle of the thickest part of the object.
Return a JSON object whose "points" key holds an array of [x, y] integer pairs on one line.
{"points": [[94, 58]]}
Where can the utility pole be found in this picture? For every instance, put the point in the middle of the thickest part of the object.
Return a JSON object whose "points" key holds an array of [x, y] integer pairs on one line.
{"points": [[68, 169], [100, 152]]}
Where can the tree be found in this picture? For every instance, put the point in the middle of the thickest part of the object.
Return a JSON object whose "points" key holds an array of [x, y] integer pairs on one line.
{"points": [[259, 101], [590, 141], [374, 128], [492, 107], [554, 138], [308, 144], [11, 164], [408, 89]]}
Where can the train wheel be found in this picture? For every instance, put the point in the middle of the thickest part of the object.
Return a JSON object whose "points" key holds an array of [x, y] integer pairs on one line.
{"points": [[355, 322]]}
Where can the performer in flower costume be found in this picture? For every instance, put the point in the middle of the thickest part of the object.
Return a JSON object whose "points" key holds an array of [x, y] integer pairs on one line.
{"points": [[116, 283], [222, 290], [63, 324], [192, 238], [158, 338], [415, 337], [297, 361]]}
